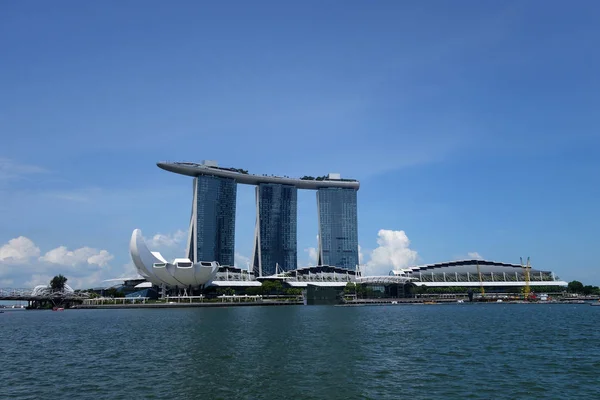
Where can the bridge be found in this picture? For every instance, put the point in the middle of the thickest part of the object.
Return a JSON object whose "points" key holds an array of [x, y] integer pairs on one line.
{"points": [[26, 294], [16, 294]]}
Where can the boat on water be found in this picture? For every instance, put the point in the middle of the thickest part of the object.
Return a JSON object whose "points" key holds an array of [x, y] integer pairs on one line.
{"points": [[58, 309]]}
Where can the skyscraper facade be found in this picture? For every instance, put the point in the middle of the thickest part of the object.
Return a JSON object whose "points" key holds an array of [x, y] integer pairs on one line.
{"points": [[212, 226], [338, 227], [276, 228]]}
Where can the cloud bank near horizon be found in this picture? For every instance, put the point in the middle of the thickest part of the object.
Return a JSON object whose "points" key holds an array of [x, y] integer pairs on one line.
{"points": [[22, 263]]}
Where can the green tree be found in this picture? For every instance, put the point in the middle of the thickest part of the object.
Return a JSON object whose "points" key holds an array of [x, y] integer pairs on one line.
{"points": [[575, 287], [225, 291], [58, 283], [293, 291], [271, 287], [253, 291], [266, 287], [350, 288], [588, 290], [361, 291]]}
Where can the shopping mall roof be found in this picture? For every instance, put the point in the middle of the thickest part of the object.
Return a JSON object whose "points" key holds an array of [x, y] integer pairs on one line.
{"points": [[464, 266]]}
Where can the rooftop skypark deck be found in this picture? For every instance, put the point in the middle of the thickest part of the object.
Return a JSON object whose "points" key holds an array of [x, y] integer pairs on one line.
{"points": [[242, 176]]}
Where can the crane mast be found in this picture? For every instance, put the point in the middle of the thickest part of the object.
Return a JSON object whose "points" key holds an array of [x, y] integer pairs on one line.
{"points": [[526, 268], [480, 280]]}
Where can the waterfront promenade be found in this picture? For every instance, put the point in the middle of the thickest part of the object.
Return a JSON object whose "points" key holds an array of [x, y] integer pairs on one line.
{"points": [[359, 302]]}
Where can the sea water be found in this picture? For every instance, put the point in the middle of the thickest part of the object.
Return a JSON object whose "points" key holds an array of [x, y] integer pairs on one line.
{"points": [[459, 351]]}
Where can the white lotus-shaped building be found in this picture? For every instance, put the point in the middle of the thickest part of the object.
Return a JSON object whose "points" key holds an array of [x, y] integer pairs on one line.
{"points": [[182, 272]]}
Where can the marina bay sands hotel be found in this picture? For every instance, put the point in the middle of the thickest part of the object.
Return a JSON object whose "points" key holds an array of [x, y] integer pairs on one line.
{"points": [[212, 224]]}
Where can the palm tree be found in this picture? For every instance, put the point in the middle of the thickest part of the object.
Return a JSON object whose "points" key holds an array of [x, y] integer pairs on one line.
{"points": [[58, 283]]}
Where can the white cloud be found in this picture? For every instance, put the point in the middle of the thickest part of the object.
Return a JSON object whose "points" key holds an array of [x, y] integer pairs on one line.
{"points": [[89, 280], [22, 266], [241, 261], [129, 271], [86, 281], [39, 279], [168, 240], [22, 250], [84, 255], [10, 169], [361, 256], [169, 245], [475, 255], [312, 255], [394, 252], [18, 251], [101, 259]]}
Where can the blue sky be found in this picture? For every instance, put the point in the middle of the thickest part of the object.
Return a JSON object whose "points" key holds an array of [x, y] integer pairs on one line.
{"points": [[472, 126]]}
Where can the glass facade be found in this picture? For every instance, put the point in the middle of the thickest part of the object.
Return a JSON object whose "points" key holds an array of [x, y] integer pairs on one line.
{"points": [[338, 227], [277, 233], [215, 219]]}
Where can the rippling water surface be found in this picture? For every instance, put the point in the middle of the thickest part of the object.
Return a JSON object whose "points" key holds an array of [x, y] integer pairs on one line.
{"points": [[457, 351]]}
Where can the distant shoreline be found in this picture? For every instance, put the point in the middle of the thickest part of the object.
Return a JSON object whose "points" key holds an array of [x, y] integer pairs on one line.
{"points": [[186, 305], [296, 303]]}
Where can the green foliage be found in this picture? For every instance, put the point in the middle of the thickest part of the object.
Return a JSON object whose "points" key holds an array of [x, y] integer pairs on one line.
{"points": [[271, 287], [575, 287], [323, 178], [225, 291], [238, 170], [58, 283], [293, 291], [578, 288], [548, 289], [591, 290], [350, 288], [254, 291], [362, 291]]}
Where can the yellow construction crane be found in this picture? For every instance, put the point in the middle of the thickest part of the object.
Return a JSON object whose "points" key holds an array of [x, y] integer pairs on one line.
{"points": [[526, 268], [480, 281]]}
